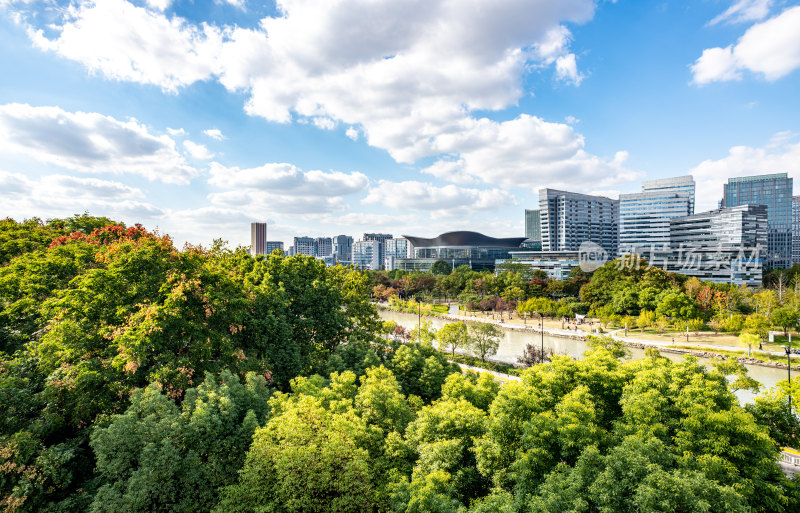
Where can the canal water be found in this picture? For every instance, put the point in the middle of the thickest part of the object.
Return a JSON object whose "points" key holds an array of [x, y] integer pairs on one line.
{"points": [[514, 341]]}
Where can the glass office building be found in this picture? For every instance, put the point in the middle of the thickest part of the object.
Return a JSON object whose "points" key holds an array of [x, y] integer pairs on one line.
{"points": [[323, 247], [795, 229], [568, 219], [676, 184], [775, 192], [533, 225], [458, 248], [366, 254], [394, 249], [644, 218], [723, 245], [343, 249], [381, 239]]}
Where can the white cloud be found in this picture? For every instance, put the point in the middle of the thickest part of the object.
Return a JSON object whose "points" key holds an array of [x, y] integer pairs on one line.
{"points": [[279, 188], [449, 200], [64, 195], [177, 132], [716, 65], [125, 42], [572, 120], [215, 133], [161, 5], [527, 152], [744, 11], [324, 123], [91, 142], [770, 48], [410, 78], [352, 133], [235, 3], [288, 179], [197, 151], [567, 69], [780, 155]]}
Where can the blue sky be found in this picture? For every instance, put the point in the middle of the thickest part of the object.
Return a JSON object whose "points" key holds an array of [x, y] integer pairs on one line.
{"points": [[402, 116]]}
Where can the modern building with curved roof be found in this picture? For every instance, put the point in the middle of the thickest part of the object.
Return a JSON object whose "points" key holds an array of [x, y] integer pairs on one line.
{"points": [[475, 249]]}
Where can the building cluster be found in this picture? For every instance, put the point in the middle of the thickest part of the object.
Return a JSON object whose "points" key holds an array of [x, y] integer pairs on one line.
{"points": [[751, 229], [373, 251], [757, 225]]}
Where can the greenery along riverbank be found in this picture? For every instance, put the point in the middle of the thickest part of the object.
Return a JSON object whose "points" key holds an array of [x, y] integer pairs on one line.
{"points": [[138, 377], [628, 293]]}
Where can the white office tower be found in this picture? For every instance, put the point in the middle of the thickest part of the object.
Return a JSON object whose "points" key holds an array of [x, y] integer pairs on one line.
{"points": [[569, 219], [258, 239], [366, 254]]}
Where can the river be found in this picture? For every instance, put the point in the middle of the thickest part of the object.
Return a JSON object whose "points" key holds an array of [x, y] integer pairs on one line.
{"points": [[514, 342]]}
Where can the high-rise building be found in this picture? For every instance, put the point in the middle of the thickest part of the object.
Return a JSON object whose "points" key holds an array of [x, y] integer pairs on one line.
{"points": [[723, 245], [304, 246], [394, 249], [775, 192], [795, 229], [380, 238], [323, 247], [533, 225], [366, 254], [258, 238], [675, 184], [568, 219], [644, 218], [272, 245], [343, 249]]}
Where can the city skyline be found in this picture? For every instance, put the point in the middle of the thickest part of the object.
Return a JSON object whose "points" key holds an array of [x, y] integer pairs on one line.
{"points": [[200, 119]]}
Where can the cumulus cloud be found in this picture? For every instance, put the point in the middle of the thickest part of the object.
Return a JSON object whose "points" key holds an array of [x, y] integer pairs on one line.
{"points": [[770, 48], [63, 195], [449, 200], [287, 178], [126, 42], [780, 155], [160, 5], [744, 11], [215, 133], [281, 187], [410, 79], [176, 131], [197, 151], [527, 152], [352, 133], [567, 69], [91, 142]]}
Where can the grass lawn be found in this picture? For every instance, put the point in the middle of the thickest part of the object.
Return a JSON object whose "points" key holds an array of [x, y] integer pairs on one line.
{"points": [[743, 354]]}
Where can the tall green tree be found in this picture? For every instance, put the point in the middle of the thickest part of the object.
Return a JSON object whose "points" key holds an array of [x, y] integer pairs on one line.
{"points": [[484, 339]]}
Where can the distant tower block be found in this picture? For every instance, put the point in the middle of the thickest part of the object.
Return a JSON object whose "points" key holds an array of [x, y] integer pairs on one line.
{"points": [[258, 239]]}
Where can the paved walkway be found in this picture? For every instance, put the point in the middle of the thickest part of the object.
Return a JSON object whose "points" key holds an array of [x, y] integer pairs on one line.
{"points": [[615, 334], [499, 376]]}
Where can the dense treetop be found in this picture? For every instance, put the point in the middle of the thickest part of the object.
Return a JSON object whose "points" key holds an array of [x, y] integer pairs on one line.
{"points": [[135, 376]]}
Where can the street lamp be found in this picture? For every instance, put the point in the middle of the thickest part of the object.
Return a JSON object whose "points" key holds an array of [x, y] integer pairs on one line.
{"points": [[789, 370], [419, 317], [541, 327]]}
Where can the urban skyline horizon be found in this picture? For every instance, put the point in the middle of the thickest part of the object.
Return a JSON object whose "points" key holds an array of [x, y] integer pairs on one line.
{"points": [[198, 118]]}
